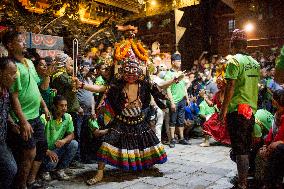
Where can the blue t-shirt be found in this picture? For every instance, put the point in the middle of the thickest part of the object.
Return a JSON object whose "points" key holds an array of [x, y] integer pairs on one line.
{"points": [[191, 111]]}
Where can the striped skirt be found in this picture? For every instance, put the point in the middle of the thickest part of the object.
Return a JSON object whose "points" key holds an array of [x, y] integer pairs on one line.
{"points": [[131, 146]]}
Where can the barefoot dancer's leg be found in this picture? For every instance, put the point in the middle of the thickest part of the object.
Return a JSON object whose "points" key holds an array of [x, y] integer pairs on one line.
{"points": [[206, 141], [99, 176]]}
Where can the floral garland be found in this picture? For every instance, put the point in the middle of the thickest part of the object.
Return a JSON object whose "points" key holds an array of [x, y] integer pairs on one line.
{"points": [[136, 50], [120, 55]]}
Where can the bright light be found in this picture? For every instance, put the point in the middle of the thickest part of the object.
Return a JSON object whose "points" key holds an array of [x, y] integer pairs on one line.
{"points": [[153, 3], [249, 27]]}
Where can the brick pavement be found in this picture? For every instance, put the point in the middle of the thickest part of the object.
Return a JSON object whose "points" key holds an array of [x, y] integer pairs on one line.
{"points": [[188, 167]]}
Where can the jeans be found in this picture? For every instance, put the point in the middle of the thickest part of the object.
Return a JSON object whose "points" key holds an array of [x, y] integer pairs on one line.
{"points": [[77, 121], [65, 155], [177, 117], [8, 167]]}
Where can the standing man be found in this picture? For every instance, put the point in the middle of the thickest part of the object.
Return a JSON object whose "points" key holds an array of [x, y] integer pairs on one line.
{"points": [[26, 102], [240, 102], [177, 94], [8, 166]]}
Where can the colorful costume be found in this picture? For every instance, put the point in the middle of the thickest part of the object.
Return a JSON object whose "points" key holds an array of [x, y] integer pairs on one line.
{"points": [[130, 143], [214, 127]]}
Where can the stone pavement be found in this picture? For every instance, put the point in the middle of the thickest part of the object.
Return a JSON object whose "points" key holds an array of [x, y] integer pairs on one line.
{"points": [[188, 167]]}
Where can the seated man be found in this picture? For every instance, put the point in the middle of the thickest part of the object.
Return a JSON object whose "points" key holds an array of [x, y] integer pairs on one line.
{"points": [[62, 147], [94, 139], [205, 111], [270, 170], [192, 119]]}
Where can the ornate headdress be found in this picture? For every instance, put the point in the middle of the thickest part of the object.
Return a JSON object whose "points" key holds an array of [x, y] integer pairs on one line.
{"points": [[238, 35], [221, 68], [130, 50]]}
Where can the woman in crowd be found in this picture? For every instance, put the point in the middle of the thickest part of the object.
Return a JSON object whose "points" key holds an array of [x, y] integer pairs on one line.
{"points": [[8, 166], [213, 127]]}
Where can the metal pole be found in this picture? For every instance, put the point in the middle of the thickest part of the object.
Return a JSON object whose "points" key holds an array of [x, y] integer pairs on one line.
{"points": [[75, 57]]}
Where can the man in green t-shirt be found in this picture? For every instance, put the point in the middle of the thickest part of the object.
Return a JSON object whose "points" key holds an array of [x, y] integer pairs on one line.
{"points": [[59, 132], [26, 102], [240, 102], [177, 94]]}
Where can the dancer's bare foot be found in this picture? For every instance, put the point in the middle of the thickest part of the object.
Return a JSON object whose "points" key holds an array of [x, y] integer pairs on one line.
{"points": [[97, 178], [205, 144]]}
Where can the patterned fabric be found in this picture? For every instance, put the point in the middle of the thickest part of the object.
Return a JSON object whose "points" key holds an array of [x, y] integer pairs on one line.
{"points": [[239, 35], [117, 99], [4, 111], [131, 147], [130, 143], [131, 112]]}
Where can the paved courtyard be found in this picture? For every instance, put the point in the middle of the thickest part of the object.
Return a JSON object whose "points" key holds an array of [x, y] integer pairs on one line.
{"points": [[188, 167]]}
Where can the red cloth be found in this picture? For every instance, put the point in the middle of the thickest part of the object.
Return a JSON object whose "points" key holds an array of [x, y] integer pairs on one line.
{"points": [[279, 136], [215, 100], [214, 127]]}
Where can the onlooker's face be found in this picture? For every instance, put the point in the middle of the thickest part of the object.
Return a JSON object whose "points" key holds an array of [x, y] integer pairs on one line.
{"points": [[9, 75], [101, 46], [272, 72], [41, 68], [203, 61], [61, 107], [85, 69], [191, 77], [105, 71], [109, 50], [263, 73], [69, 66], [176, 64], [104, 55], [18, 45]]}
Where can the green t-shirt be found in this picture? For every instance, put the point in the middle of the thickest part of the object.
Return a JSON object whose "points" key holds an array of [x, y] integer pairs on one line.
{"points": [[263, 123], [205, 109], [26, 86], [177, 89], [245, 71], [100, 81], [57, 130]]}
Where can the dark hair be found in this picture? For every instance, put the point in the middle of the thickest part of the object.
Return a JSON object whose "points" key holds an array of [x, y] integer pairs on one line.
{"points": [[48, 60], [32, 54], [57, 99], [278, 96], [239, 44], [9, 37], [4, 61]]}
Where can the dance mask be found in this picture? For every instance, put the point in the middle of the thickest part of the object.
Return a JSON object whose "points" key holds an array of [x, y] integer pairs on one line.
{"points": [[130, 59]]}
